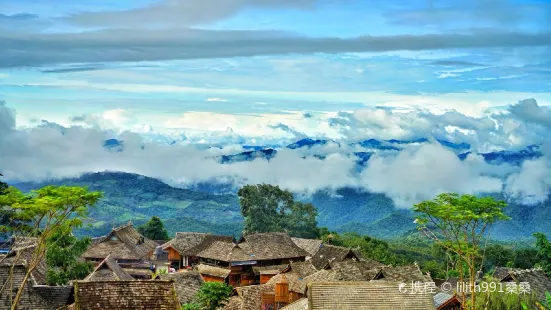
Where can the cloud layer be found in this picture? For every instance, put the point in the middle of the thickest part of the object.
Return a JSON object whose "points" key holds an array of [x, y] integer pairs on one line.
{"points": [[413, 172]]}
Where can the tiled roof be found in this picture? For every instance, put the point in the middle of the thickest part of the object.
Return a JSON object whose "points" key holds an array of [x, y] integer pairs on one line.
{"points": [[267, 246], [119, 295], [187, 284], [311, 246], [13, 276], [122, 242], [191, 243], [303, 268], [353, 270], [374, 295], [251, 296], [538, 280], [269, 269], [329, 253], [22, 253], [107, 270], [441, 298], [213, 271], [301, 304], [57, 296], [235, 303], [501, 272], [405, 274], [296, 283]]}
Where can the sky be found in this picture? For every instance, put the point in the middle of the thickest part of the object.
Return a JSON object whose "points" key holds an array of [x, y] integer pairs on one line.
{"points": [[182, 75]]}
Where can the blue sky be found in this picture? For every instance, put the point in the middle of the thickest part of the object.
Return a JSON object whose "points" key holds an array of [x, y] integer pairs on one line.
{"points": [[269, 72]]}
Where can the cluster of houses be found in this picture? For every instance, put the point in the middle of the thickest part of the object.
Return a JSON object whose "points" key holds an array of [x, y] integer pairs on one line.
{"points": [[267, 270]]}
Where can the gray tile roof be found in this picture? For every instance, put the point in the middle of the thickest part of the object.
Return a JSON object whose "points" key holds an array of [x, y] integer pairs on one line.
{"points": [[57, 296], [191, 243], [251, 296], [304, 269], [501, 272], [108, 270], [187, 284], [353, 270], [30, 300], [538, 280], [441, 298], [311, 246], [124, 295], [374, 295], [22, 253], [329, 253], [404, 274], [301, 304], [267, 246], [122, 242]]}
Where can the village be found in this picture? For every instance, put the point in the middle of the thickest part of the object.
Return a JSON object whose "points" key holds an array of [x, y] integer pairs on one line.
{"points": [[266, 271]]}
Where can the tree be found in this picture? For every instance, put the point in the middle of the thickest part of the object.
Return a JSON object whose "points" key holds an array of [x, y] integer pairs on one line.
{"points": [[42, 214], [212, 295], [268, 208], [154, 229], [544, 252], [62, 251], [461, 223]]}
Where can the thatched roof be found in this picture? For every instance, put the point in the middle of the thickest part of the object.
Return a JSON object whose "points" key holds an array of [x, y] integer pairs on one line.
{"points": [[187, 284], [108, 270], [270, 270], [352, 270], [191, 243], [119, 295], [267, 246], [122, 242], [311, 246], [331, 253], [213, 271], [539, 282], [251, 296], [375, 295]]}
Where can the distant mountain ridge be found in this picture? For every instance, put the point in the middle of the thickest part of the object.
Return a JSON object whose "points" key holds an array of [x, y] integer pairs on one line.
{"points": [[132, 197]]}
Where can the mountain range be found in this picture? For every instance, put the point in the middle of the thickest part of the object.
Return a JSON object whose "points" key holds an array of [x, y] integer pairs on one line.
{"points": [[132, 197]]}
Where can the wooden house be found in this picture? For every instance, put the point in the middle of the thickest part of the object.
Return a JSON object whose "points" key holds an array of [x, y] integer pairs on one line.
{"points": [[183, 249], [536, 277], [261, 251], [445, 301]]}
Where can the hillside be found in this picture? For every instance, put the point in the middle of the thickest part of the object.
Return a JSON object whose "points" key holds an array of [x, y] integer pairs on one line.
{"points": [[137, 198], [131, 197]]}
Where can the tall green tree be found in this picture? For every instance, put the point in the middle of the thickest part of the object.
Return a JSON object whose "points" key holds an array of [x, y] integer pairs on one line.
{"points": [[268, 208], [544, 252], [62, 252], [460, 224], [212, 296], [42, 214], [154, 229]]}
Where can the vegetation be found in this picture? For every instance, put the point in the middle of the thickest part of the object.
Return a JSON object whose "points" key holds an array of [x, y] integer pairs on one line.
{"points": [[268, 208], [544, 252], [462, 223], [62, 251], [496, 300], [43, 214], [154, 229], [211, 296]]}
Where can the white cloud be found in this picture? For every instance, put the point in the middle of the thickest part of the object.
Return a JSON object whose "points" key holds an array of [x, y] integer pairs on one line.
{"points": [[216, 100], [415, 173], [419, 173]]}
